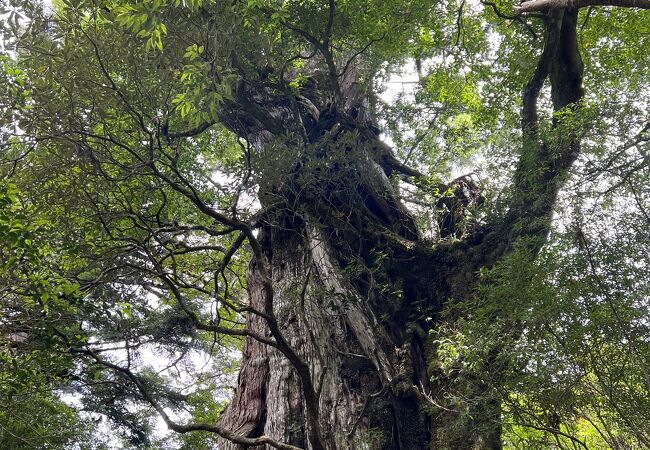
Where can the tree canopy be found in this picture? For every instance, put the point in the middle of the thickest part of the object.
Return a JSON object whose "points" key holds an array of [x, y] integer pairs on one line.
{"points": [[325, 224]]}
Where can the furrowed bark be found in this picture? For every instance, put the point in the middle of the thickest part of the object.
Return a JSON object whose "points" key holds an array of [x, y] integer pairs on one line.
{"points": [[332, 328]]}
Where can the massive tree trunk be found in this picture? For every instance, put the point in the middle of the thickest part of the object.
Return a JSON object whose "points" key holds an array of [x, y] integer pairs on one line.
{"points": [[356, 290], [336, 306], [353, 288]]}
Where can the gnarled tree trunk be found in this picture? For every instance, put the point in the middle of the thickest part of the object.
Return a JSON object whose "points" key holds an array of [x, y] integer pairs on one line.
{"points": [[331, 309], [353, 282]]}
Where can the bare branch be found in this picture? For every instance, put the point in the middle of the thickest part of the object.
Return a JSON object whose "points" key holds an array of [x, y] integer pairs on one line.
{"points": [[330, 22]]}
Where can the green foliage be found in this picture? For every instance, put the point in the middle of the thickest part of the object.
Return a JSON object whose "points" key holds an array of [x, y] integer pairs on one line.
{"points": [[35, 418], [560, 339], [34, 303]]}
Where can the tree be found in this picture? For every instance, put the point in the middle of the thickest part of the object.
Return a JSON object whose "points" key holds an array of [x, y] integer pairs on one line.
{"points": [[213, 176]]}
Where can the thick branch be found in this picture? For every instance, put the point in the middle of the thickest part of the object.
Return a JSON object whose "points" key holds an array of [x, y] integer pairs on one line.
{"points": [[534, 86], [543, 5], [542, 166]]}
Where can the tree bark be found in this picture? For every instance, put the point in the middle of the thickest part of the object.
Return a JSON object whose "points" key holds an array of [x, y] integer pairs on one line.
{"points": [[361, 364]]}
